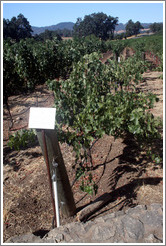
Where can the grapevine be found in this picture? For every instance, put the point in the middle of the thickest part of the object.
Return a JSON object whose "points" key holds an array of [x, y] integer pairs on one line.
{"points": [[92, 98], [89, 105]]}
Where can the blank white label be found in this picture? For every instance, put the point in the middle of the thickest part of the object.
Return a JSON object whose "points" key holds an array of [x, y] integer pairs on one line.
{"points": [[42, 118]]}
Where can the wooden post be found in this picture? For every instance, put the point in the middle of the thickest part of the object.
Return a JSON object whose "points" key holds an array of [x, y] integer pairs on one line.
{"points": [[143, 56], [66, 199], [49, 175]]}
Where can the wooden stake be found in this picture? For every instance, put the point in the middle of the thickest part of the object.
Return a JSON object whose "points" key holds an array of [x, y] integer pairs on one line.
{"points": [[48, 172], [66, 199]]}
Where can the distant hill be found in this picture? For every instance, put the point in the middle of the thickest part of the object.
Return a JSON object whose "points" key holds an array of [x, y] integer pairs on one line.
{"points": [[122, 26], [61, 25], [69, 25]]}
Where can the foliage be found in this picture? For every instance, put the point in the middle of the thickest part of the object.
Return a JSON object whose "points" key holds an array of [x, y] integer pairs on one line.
{"points": [[133, 28], [21, 139], [49, 59], [153, 43], [17, 28], [117, 47], [90, 105], [120, 36], [88, 185], [127, 71], [98, 24], [92, 98], [26, 64], [47, 34], [156, 27], [11, 80]]}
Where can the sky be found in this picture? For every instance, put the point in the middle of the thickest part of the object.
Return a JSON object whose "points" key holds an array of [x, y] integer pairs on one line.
{"points": [[51, 13]]}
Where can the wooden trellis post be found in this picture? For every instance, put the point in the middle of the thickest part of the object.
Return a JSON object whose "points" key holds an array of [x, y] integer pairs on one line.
{"points": [[65, 194], [57, 173]]}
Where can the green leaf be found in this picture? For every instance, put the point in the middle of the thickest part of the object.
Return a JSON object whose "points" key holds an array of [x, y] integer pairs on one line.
{"points": [[157, 160]]}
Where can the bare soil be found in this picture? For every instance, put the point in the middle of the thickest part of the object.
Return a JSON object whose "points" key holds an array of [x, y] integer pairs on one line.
{"points": [[119, 168]]}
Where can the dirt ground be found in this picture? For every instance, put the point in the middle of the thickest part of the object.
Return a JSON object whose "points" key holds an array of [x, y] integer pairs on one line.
{"points": [[119, 168]]}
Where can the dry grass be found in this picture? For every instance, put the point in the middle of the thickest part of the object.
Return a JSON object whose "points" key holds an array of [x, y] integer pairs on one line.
{"points": [[150, 193]]}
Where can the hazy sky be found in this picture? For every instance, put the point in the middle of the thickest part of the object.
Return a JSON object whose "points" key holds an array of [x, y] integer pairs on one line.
{"points": [[51, 13]]}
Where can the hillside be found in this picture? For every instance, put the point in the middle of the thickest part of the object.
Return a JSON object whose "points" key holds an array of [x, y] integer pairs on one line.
{"points": [[61, 25], [69, 25]]}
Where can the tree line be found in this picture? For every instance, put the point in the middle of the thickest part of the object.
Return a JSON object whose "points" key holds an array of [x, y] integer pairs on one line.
{"points": [[97, 24], [17, 28]]}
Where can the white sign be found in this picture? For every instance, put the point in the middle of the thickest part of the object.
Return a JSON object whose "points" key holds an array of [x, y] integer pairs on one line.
{"points": [[42, 118]]}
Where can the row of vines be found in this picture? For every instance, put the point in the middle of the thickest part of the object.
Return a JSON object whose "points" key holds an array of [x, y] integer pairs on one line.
{"points": [[91, 98], [28, 62]]}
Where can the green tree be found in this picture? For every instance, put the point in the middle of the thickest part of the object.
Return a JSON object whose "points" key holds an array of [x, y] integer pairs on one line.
{"points": [[77, 29], [99, 24], [156, 27], [5, 28], [17, 28], [24, 29], [130, 28], [133, 28], [49, 35], [137, 27]]}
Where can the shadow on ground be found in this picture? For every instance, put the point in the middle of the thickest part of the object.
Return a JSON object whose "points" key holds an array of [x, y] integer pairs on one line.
{"points": [[133, 163]]}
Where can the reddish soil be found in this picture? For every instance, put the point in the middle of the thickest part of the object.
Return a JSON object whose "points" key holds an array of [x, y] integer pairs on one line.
{"points": [[119, 168]]}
